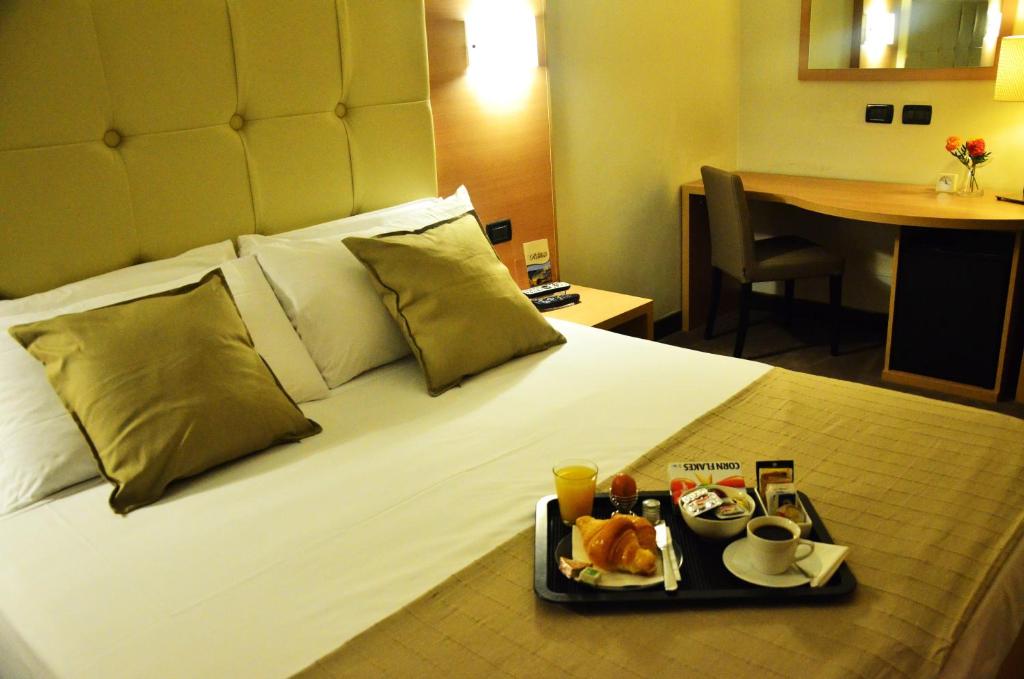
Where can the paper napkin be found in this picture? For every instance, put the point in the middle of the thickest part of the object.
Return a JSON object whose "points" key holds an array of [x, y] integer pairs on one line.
{"points": [[823, 562]]}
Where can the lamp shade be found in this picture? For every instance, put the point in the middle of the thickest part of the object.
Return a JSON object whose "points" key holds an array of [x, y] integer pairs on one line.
{"points": [[1010, 75]]}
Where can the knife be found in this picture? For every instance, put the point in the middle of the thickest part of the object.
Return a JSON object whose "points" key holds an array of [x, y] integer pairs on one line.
{"points": [[672, 555], [664, 540]]}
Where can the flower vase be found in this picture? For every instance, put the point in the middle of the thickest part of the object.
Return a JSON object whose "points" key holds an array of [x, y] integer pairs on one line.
{"points": [[970, 186]]}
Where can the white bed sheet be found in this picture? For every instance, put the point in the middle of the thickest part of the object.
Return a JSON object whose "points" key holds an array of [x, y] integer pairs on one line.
{"points": [[261, 567]]}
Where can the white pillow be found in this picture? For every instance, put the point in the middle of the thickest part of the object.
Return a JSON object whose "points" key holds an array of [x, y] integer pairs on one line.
{"points": [[202, 258], [332, 304], [272, 334], [404, 217], [41, 448], [328, 294]]}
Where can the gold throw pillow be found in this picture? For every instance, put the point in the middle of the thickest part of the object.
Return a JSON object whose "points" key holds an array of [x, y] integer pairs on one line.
{"points": [[453, 299], [164, 387]]}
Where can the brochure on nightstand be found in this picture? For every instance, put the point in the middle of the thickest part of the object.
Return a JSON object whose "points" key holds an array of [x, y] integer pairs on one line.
{"points": [[538, 261]]}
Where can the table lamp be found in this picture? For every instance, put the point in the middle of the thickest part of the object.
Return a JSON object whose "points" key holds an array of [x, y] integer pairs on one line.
{"points": [[1010, 81]]}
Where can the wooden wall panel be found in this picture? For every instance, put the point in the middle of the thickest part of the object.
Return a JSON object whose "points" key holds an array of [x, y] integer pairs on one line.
{"points": [[501, 153]]}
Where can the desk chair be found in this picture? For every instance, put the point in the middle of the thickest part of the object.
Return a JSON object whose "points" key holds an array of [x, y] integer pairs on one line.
{"points": [[782, 258]]}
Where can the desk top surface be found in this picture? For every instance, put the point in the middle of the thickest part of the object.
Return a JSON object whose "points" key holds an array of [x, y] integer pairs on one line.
{"points": [[903, 204]]}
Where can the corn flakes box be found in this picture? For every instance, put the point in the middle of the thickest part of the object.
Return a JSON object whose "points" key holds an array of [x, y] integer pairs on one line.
{"points": [[683, 477]]}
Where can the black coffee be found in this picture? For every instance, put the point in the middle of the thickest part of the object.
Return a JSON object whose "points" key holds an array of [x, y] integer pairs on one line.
{"points": [[777, 533]]}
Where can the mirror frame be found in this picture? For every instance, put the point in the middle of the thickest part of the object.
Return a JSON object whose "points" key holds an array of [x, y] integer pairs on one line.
{"points": [[974, 73]]}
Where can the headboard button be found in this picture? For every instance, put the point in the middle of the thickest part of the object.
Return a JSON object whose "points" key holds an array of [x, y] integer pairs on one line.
{"points": [[112, 138], [340, 110], [237, 122]]}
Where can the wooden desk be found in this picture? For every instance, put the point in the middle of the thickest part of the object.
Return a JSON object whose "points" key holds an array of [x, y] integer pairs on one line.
{"points": [[902, 205]]}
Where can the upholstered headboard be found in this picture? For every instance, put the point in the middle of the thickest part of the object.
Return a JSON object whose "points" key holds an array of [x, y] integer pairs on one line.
{"points": [[132, 130]]}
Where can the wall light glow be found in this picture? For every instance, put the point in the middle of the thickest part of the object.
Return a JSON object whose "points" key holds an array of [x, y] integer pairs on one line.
{"points": [[501, 39], [879, 27], [993, 26], [993, 22]]}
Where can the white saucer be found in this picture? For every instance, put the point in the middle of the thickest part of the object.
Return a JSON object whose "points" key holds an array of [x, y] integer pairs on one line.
{"points": [[737, 559]]}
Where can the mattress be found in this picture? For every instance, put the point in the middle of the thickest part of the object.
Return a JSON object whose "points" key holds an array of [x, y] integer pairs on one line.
{"points": [[261, 567]]}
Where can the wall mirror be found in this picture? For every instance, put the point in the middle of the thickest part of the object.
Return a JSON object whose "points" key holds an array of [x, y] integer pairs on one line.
{"points": [[902, 39]]}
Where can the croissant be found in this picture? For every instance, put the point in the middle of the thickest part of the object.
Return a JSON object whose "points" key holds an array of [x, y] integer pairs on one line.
{"points": [[621, 543]]}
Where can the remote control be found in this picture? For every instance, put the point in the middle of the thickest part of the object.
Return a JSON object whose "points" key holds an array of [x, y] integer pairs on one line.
{"points": [[556, 301], [546, 289]]}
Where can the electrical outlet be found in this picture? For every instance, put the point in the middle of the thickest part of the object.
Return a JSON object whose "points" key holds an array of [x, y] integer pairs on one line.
{"points": [[917, 114], [499, 232], [879, 113]]}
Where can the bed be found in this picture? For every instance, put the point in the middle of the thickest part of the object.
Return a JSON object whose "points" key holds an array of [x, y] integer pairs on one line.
{"points": [[134, 132], [323, 554]]}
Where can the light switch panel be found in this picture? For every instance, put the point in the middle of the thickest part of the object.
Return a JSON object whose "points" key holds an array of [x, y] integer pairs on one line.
{"points": [[917, 114], [499, 232], [879, 113]]}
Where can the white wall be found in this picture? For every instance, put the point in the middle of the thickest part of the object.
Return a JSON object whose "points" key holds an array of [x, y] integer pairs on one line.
{"points": [[643, 92]]}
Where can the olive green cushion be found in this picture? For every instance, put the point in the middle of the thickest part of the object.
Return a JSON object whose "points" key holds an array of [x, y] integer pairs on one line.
{"points": [[164, 387], [453, 299]]}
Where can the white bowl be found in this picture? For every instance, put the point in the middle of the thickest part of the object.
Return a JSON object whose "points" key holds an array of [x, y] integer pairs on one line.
{"points": [[722, 529]]}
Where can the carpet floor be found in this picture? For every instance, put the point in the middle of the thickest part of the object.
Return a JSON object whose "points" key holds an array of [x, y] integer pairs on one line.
{"points": [[804, 347]]}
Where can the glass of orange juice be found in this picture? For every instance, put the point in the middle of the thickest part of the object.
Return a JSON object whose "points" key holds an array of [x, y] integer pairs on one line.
{"points": [[575, 481]]}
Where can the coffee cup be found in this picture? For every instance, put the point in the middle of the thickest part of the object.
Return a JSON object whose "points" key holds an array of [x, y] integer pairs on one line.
{"points": [[773, 543]]}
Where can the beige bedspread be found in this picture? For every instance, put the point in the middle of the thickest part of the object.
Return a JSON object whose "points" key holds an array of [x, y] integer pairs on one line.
{"points": [[879, 467]]}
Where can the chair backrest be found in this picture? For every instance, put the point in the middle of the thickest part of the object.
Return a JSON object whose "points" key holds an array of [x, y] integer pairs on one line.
{"points": [[732, 240]]}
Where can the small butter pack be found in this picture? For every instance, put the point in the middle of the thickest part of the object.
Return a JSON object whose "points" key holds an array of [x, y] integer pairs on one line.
{"points": [[698, 501]]}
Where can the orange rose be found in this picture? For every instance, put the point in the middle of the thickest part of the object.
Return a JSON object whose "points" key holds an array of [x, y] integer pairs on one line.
{"points": [[975, 147], [952, 144]]}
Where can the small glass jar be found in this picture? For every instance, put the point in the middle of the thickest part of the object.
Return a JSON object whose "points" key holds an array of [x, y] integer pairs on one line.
{"points": [[652, 510]]}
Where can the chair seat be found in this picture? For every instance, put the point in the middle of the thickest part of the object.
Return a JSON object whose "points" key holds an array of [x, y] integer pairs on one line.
{"points": [[790, 257]]}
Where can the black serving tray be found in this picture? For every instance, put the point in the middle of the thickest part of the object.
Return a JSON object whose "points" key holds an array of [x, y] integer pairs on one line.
{"points": [[705, 578]]}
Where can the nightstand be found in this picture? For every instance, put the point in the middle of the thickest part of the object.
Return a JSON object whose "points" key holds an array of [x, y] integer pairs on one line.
{"points": [[613, 311]]}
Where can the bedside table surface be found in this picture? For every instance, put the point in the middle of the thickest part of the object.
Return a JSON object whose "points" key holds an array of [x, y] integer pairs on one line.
{"points": [[606, 310]]}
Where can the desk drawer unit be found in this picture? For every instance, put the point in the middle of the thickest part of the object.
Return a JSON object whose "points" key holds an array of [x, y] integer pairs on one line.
{"points": [[950, 304]]}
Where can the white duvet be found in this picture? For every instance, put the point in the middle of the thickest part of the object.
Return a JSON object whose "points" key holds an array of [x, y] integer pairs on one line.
{"points": [[261, 567]]}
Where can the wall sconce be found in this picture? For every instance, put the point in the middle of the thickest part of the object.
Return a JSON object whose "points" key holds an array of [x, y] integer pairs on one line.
{"points": [[501, 45], [879, 27], [501, 37]]}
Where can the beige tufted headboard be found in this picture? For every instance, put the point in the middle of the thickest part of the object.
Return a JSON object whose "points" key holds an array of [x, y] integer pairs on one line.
{"points": [[132, 130]]}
